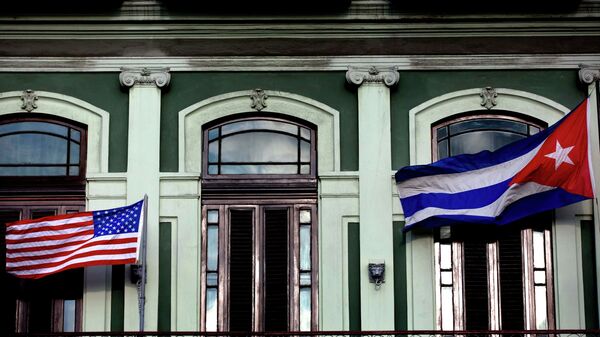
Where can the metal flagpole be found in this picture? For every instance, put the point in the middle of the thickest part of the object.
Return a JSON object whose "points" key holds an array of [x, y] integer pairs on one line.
{"points": [[141, 285]]}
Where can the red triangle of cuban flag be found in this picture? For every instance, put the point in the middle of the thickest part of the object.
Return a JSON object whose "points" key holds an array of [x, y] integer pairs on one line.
{"points": [[563, 160]]}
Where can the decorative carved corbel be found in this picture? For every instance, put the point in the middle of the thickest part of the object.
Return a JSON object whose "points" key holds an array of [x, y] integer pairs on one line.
{"points": [[29, 97], [145, 76], [488, 97], [259, 99], [588, 75], [387, 76]]}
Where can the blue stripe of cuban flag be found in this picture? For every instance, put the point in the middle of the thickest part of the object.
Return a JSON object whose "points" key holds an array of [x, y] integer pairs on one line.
{"points": [[475, 188]]}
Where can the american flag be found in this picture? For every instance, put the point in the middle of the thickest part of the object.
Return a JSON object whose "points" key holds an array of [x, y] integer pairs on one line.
{"points": [[39, 247]]}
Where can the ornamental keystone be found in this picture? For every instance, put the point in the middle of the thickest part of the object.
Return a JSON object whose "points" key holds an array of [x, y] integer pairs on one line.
{"points": [[259, 99], [387, 76], [29, 97], [159, 77], [488, 97]]}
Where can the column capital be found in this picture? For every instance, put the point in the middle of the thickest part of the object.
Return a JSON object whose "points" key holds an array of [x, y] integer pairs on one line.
{"points": [[589, 75], [159, 77], [358, 76]]}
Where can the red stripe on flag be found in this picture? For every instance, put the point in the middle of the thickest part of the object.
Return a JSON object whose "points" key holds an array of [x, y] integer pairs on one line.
{"points": [[50, 237], [67, 252], [49, 218], [78, 265], [32, 230], [76, 256]]}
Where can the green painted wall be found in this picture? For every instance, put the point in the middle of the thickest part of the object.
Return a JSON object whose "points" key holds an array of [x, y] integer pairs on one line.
{"points": [[400, 277], [589, 274], [326, 87], [117, 298], [354, 276], [164, 277], [100, 89], [416, 87]]}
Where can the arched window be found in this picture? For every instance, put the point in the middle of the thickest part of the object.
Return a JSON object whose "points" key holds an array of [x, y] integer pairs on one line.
{"points": [[492, 278], [260, 146], [259, 225], [35, 147], [42, 173]]}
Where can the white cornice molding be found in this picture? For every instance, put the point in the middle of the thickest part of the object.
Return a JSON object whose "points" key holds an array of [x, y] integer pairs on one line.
{"points": [[309, 63], [159, 77]]}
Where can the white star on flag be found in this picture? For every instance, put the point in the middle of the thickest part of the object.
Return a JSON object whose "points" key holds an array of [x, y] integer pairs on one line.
{"points": [[561, 155]]}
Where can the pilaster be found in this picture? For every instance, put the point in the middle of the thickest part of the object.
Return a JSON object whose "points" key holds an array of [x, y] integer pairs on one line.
{"points": [[591, 78], [143, 169], [375, 202]]}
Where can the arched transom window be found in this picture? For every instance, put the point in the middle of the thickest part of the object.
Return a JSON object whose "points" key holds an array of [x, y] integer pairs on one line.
{"points": [[259, 146], [31, 147]]}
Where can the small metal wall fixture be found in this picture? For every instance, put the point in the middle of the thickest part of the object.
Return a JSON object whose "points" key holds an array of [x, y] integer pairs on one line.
{"points": [[136, 273], [377, 273]]}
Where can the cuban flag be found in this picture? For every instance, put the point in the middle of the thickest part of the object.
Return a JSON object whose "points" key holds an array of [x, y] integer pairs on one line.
{"points": [[545, 171]]}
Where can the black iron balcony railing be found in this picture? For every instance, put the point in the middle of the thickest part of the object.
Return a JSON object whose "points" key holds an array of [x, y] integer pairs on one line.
{"points": [[399, 333]]}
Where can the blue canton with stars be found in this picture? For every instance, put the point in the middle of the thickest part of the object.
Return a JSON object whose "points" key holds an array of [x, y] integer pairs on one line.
{"points": [[120, 220]]}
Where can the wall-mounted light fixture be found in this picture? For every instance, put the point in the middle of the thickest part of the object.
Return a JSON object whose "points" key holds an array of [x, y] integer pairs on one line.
{"points": [[377, 273]]}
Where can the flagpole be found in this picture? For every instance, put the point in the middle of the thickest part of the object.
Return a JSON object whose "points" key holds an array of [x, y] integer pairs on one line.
{"points": [[142, 282]]}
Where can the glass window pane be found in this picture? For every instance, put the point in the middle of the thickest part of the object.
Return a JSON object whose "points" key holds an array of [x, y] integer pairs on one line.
{"points": [[212, 249], [443, 149], [305, 133], [74, 154], [213, 152], [442, 133], [34, 126], [73, 170], [538, 250], [541, 312], [33, 149], [213, 169], [539, 277], [212, 216], [33, 171], [212, 279], [477, 141], [259, 147], [446, 278], [211, 309], [305, 309], [304, 169], [305, 216], [75, 135], [258, 169], [447, 309], [305, 263], [496, 124], [305, 279], [533, 130], [445, 256], [259, 125], [69, 316], [213, 133], [304, 151]]}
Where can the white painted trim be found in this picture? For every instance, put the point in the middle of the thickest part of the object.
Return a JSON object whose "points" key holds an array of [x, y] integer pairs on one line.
{"points": [[192, 119], [300, 63], [96, 119]]}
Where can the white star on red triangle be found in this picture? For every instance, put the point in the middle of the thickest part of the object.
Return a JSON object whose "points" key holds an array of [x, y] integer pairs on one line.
{"points": [[560, 155]]}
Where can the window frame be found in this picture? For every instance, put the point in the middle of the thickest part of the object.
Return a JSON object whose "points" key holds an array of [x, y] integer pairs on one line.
{"points": [[52, 182], [259, 177], [492, 249], [25, 206], [258, 207]]}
